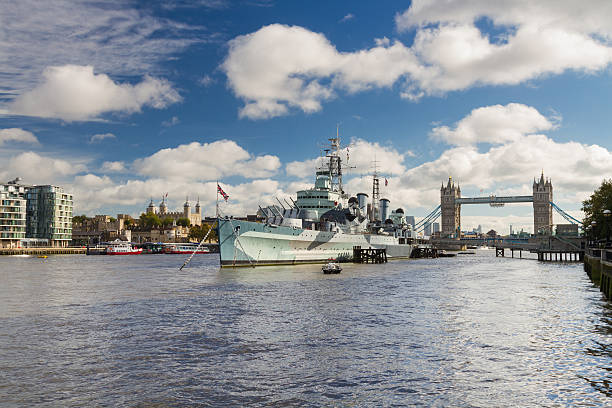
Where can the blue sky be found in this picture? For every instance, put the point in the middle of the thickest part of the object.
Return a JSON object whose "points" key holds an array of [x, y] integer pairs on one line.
{"points": [[123, 101]]}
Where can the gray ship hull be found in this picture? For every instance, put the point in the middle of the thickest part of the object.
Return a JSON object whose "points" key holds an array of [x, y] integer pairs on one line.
{"points": [[245, 243]]}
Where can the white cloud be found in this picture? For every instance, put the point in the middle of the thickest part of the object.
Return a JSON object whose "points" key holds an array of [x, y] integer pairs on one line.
{"points": [[17, 135], [101, 136], [495, 124], [303, 169], [575, 168], [171, 122], [115, 36], [74, 92], [361, 155], [207, 161], [37, 169], [278, 67], [348, 17], [113, 167], [92, 192], [206, 80], [538, 38]]}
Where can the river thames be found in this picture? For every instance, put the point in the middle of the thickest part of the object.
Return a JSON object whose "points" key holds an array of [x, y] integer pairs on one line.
{"points": [[135, 331]]}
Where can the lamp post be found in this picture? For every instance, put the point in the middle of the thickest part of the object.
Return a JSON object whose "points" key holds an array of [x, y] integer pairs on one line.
{"points": [[607, 214], [593, 224]]}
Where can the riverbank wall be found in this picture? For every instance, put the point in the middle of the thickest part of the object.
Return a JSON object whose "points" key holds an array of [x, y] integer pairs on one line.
{"points": [[598, 265]]}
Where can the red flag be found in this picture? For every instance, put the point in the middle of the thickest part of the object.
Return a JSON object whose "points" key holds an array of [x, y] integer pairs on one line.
{"points": [[220, 190], [386, 182]]}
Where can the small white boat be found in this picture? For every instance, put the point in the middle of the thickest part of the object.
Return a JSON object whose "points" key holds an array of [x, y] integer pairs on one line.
{"points": [[331, 267], [118, 247]]}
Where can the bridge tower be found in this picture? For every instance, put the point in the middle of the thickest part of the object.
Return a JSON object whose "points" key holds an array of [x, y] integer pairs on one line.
{"points": [[542, 210], [451, 212]]}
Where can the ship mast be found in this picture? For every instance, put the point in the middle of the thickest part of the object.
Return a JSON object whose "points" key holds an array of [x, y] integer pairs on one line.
{"points": [[334, 164], [375, 191]]}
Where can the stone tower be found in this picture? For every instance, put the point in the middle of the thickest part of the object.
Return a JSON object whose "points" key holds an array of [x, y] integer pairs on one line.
{"points": [[198, 209], [151, 209], [186, 208], [163, 208], [451, 212], [542, 210]]}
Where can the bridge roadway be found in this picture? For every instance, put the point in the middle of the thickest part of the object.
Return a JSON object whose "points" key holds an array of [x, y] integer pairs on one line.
{"points": [[494, 200], [545, 242]]}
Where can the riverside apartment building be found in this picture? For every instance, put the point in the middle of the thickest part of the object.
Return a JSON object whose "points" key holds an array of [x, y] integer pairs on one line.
{"points": [[33, 215]]}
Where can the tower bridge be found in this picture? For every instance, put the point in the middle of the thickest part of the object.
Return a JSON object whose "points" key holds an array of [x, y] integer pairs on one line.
{"points": [[451, 201]]}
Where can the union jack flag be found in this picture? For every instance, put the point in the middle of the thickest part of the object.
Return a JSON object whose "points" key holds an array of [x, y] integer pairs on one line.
{"points": [[220, 190]]}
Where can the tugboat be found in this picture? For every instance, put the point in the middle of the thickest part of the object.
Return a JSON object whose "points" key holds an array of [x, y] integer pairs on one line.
{"points": [[331, 267]]}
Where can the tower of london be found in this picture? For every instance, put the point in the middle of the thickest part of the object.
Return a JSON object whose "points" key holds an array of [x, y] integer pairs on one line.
{"points": [[194, 217]]}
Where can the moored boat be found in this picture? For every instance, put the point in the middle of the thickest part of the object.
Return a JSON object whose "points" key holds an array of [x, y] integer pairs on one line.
{"points": [[184, 248], [323, 223], [118, 247]]}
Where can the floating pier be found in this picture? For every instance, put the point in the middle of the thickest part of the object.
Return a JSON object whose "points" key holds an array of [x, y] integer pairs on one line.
{"points": [[42, 251], [546, 255], [560, 256], [424, 252], [369, 255]]}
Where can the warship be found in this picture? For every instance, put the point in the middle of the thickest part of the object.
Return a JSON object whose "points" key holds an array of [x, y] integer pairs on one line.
{"points": [[322, 224]]}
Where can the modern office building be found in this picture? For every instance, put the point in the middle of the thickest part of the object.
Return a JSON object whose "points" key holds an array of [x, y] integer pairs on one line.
{"points": [[34, 215], [436, 227], [12, 214], [427, 231]]}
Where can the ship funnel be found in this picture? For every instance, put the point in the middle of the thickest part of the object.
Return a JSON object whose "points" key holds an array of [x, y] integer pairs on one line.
{"points": [[384, 209], [362, 199]]}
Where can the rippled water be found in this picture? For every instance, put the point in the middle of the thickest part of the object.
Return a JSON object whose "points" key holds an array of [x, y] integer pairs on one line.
{"points": [[468, 331]]}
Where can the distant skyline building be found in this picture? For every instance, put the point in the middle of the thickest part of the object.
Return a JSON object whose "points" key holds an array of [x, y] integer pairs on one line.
{"points": [[436, 227], [427, 231], [410, 220]]}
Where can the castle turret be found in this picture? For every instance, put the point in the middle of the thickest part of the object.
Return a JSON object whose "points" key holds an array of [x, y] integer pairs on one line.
{"points": [[151, 209], [186, 208], [198, 209], [163, 208]]}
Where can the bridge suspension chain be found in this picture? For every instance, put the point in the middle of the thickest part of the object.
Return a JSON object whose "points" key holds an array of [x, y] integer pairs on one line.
{"points": [[428, 217], [431, 221], [565, 215]]}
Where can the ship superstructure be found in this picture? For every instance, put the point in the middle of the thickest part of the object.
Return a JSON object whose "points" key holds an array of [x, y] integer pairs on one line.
{"points": [[323, 223]]}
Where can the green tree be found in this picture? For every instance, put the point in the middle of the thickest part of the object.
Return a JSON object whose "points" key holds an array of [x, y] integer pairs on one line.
{"points": [[149, 221], [79, 218], [594, 207], [183, 222], [199, 232], [167, 222]]}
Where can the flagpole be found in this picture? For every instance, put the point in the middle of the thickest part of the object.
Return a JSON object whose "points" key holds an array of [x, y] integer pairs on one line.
{"points": [[217, 203]]}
